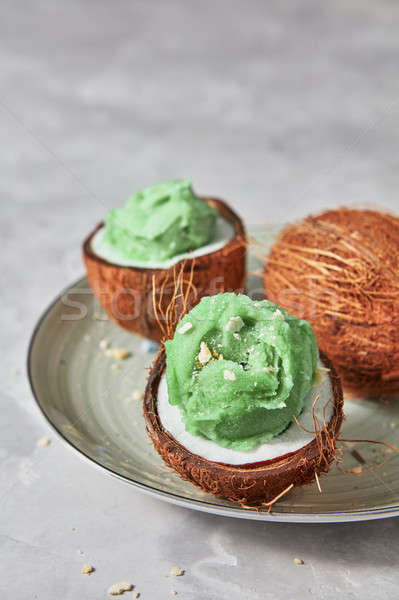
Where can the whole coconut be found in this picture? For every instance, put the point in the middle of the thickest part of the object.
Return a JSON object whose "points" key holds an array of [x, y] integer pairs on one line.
{"points": [[340, 271]]}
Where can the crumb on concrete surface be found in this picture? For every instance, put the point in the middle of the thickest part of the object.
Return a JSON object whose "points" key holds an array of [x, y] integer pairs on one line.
{"points": [[138, 395], [87, 569], [298, 561], [44, 441], [104, 344], [177, 571], [116, 589]]}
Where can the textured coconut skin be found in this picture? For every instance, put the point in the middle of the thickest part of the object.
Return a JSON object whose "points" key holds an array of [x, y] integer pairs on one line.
{"points": [[250, 485], [126, 293], [365, 347]]}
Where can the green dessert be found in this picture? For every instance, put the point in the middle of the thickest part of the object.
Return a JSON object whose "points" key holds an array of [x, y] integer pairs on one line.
{"points": [[239, 370], [159, 222]]}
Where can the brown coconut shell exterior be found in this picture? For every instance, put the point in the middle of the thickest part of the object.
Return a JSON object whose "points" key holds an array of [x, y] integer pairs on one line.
{"points": [[126, 293], [361, 249], [250, 485]]}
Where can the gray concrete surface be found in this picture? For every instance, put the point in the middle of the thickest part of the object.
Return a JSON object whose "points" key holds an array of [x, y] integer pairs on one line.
{"points": [[280, 107]]}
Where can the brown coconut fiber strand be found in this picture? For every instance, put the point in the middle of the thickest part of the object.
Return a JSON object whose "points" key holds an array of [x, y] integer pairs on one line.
{"points": [[339, 271], [184, 296]]}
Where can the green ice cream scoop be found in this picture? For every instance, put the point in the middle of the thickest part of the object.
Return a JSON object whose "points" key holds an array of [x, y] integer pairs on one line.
{"points": [[239, 370], [160, 222]]}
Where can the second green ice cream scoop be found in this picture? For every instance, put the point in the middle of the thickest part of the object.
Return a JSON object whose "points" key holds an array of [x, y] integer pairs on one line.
{"points": [[160, 221]]}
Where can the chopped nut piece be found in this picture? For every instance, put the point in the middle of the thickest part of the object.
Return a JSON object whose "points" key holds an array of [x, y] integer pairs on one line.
{"points": [[87, 569], [44, 441], [186, 327], [118, 588], [229, 375], [177, 571], [119, 353], [104, 344], [234, 324], [349, 444], [137, 395], [136, 594], [204, 355], [318, 376], [298, 561], [357, 470]]}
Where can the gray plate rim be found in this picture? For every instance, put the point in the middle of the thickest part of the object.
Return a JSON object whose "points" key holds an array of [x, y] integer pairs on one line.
{"points": [[365, 514]]}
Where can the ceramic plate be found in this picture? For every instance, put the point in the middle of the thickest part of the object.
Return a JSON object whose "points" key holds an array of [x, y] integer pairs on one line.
{"points": [[88, 398]]}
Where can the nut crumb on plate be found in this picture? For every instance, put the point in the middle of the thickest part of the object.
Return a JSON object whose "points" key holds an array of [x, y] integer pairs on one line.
{"points": [[138, 395], [357, 470], [104, 344], [118, 353], [177, 571], [298, 561]]}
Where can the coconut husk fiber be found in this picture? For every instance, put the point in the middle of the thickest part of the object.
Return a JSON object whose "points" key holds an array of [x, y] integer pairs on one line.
{"points": [[252, 485], [139, 299], [340, 271]]}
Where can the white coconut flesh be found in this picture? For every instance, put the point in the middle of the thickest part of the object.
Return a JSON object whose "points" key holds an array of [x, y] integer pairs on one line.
{"points": [[224, 232], [292, 439]]}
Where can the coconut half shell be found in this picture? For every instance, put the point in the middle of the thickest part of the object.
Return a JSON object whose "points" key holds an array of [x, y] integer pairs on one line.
{"points": [[253, 484], [127, 293]]}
